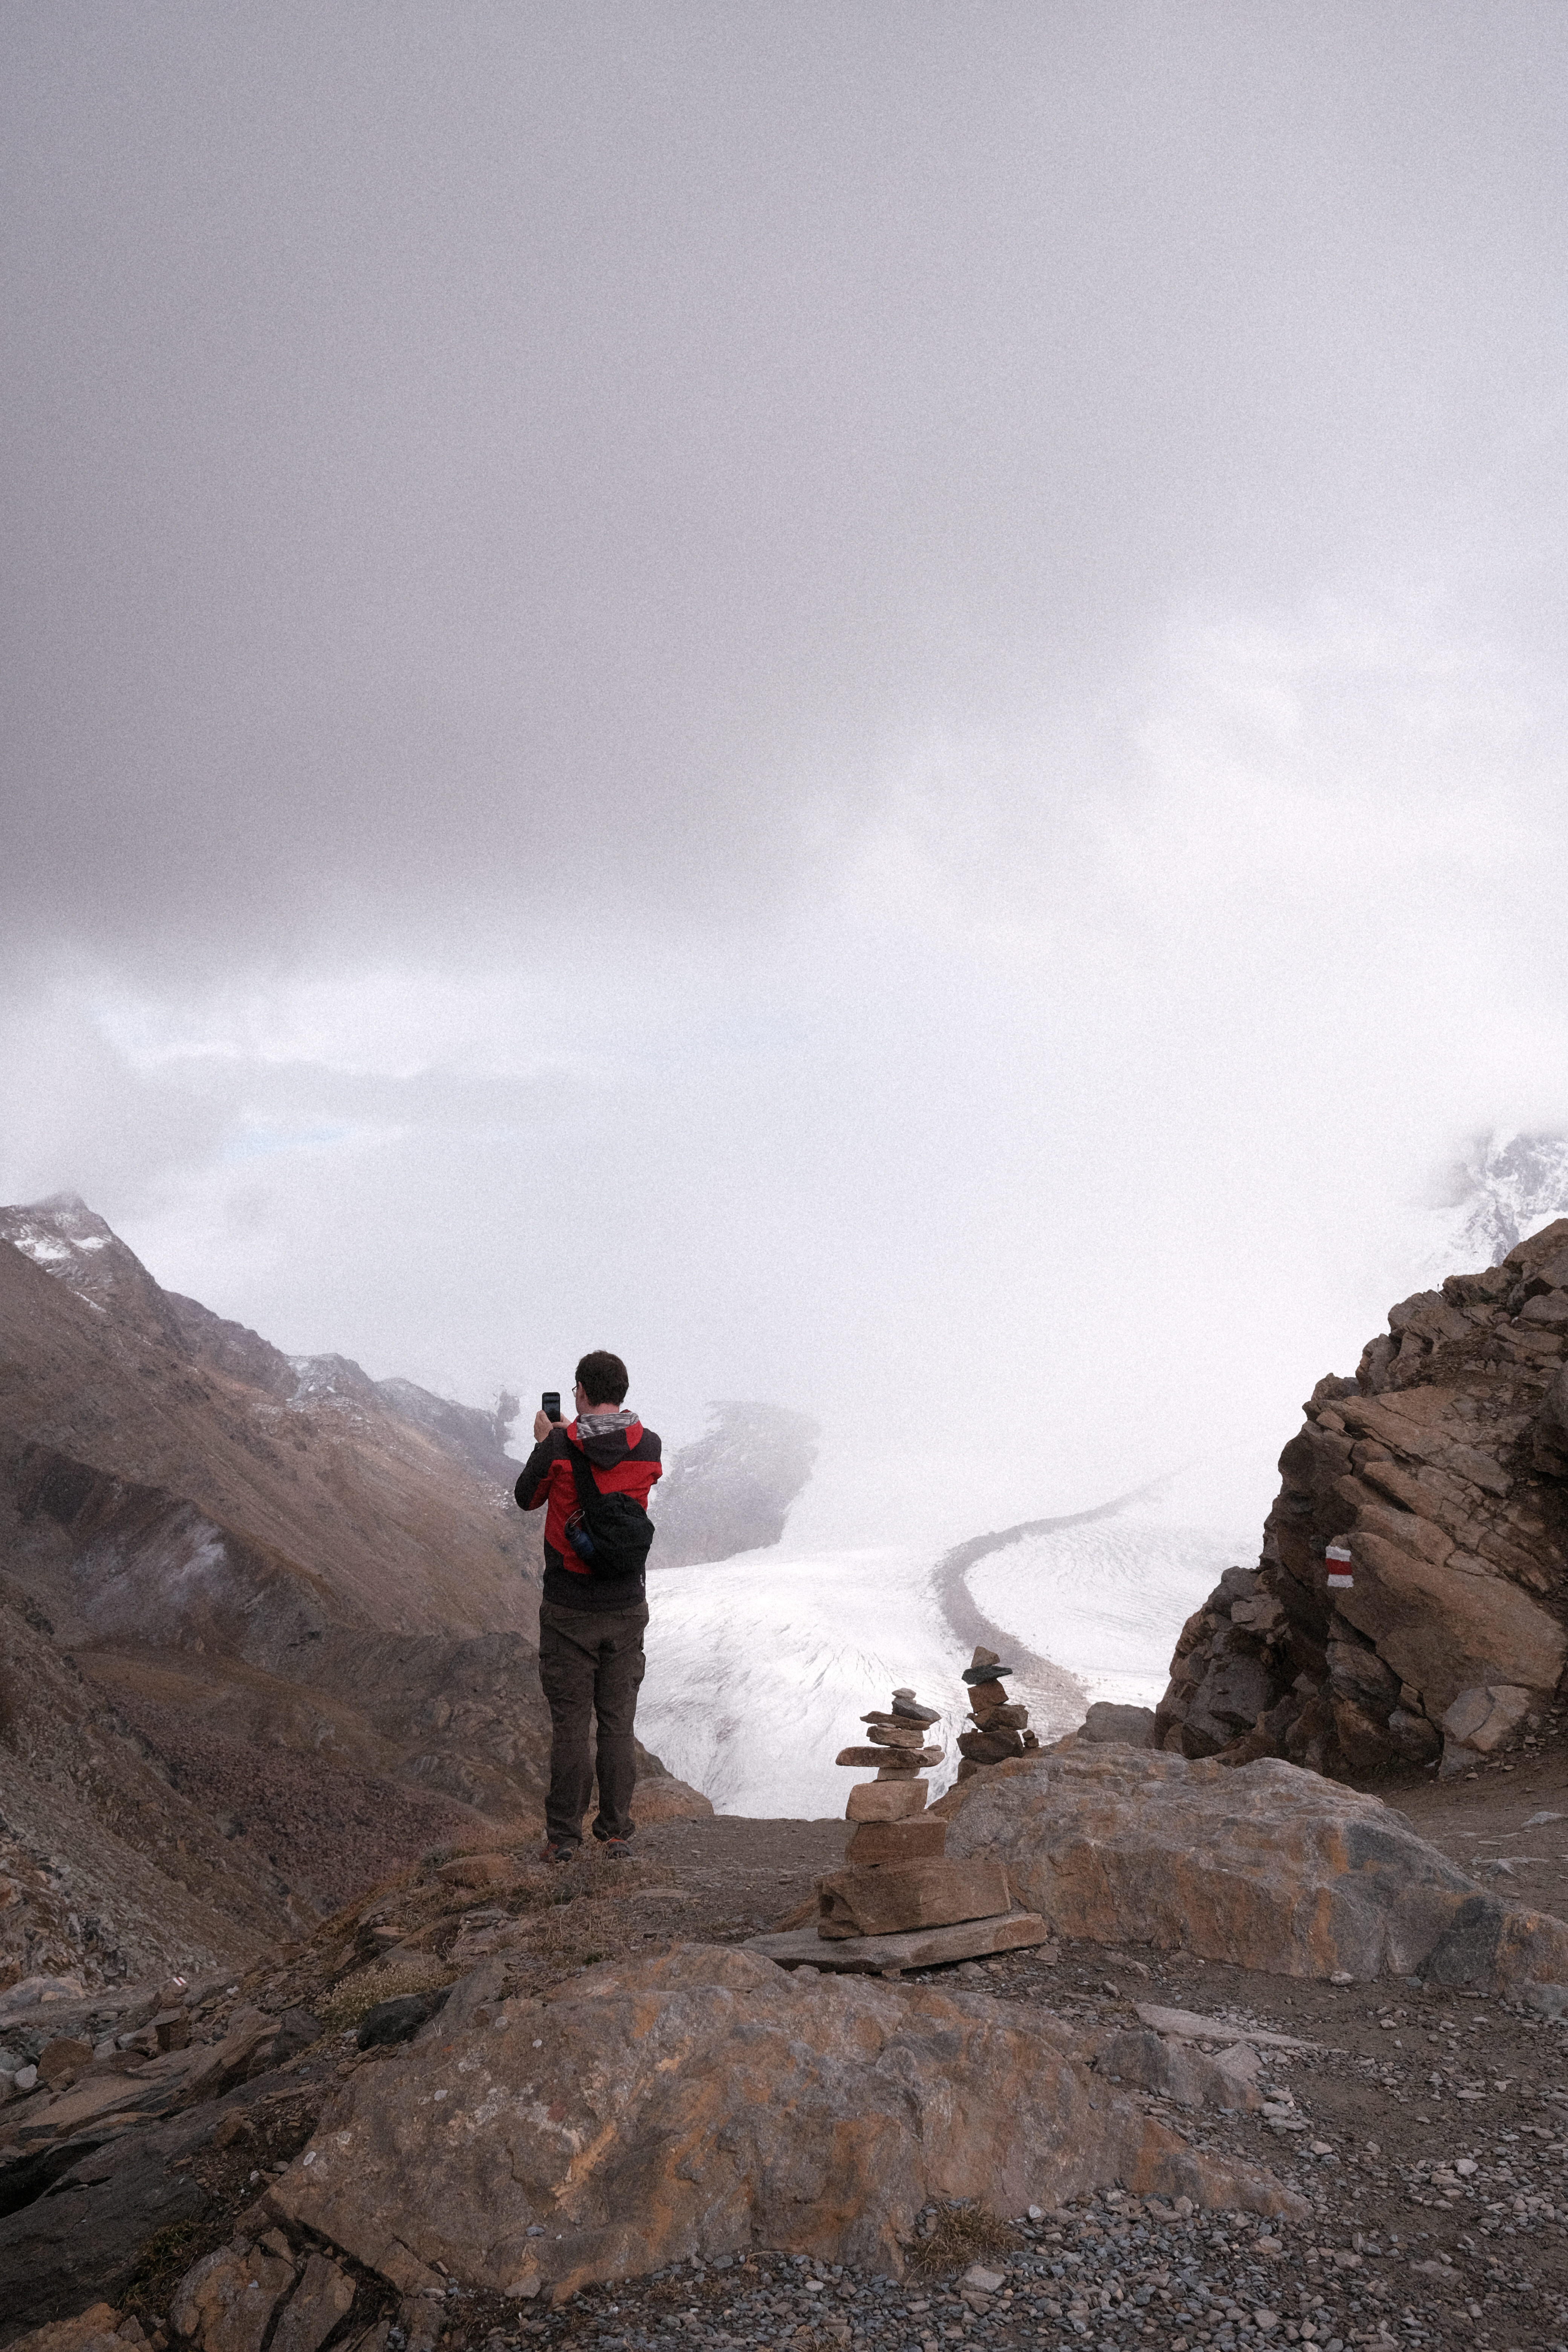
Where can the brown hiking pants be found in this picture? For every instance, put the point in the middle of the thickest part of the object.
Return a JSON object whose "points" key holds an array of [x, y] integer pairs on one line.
{"points": [[591, 1663]]}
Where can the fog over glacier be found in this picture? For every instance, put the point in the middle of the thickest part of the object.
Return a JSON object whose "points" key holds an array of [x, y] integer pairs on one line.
{"points": [[866, 702]]}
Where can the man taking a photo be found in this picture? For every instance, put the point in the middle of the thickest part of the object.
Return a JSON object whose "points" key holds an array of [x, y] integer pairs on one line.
{"points": [[594, 1475]]}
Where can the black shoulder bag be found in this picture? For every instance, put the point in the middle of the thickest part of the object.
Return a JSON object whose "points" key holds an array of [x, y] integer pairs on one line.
{"points": [[610, 1533]]}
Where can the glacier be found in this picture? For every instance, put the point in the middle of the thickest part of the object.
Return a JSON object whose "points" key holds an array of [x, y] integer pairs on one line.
{"points": [[760, 1666]]}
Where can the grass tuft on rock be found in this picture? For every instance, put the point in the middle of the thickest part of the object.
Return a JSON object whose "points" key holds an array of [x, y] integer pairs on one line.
{"points": [[165, 2258], [358, 1995], [959, 2236]]}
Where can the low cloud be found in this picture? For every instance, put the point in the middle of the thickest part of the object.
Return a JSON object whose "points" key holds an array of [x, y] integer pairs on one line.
{"points": [[871, 714]]}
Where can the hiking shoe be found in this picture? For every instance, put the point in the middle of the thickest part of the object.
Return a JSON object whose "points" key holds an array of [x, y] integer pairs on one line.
{"points": [[553, 1852], [615, 1849]]}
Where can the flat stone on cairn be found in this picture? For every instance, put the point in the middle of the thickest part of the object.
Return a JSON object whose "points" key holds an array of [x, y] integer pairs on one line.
{"points": [[899, 1903], [896, 1748], [1001, 1724]]}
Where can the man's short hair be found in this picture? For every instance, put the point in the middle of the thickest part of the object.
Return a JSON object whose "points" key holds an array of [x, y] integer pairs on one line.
{"points": [[604, 1377]]}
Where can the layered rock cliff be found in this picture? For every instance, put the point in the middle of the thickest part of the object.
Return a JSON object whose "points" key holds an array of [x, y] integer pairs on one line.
{"points": [[1441, 1468]]}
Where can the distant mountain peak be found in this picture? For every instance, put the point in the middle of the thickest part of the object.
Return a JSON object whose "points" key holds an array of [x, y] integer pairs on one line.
{"points": [[1502, 1189], [72, 1242]]}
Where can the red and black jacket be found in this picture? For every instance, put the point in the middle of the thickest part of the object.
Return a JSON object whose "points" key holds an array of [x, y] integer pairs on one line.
{"points": [[622, 1462]]}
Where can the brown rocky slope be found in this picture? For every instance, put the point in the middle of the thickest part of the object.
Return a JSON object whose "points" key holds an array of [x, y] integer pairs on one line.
{"points": [[1442, 1469], [271, 1624]]}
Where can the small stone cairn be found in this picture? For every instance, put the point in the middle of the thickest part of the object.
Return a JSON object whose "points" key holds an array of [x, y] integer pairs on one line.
{"points": [[1001, 1724], [886, 1812], [899, 1879], [900, 1902]]}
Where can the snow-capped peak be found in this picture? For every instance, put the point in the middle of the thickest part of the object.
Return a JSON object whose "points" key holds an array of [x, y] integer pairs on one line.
{"points": [[1505, 1188]]}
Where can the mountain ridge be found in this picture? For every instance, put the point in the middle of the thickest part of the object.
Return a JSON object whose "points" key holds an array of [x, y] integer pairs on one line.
{"points": [[298, 1567]]}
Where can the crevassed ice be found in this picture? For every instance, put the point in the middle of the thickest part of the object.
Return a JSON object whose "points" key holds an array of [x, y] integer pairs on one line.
{"points": [[760, 1666], [1106, 1601]]}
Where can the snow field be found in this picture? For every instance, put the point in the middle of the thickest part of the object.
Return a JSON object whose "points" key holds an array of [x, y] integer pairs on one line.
{"points": [[760, 1667], [1106, 1601]]}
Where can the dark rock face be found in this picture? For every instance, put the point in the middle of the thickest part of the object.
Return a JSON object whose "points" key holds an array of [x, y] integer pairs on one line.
{"points": [[76, 2219], [1442, 1468], [732, 1490], [391, 2021]]}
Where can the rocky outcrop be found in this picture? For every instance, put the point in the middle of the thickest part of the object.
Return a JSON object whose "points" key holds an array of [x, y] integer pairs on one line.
{"points": [[1129, 1726], [1265, 1867], [706, 2103], [77, 2211], [1441, 1470], [731, 1491]]}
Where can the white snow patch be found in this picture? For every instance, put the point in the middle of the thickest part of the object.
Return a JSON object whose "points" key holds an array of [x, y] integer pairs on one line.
{"points": [[761, 1666], [43, 1248]]}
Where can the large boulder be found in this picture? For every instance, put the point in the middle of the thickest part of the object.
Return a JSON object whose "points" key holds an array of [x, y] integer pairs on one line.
{"points": [[1133, 1726], [1263, 1866], [707, 2102]]}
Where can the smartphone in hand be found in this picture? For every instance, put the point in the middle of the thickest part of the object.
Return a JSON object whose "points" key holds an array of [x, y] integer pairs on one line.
{"points": [[549, 1404]]}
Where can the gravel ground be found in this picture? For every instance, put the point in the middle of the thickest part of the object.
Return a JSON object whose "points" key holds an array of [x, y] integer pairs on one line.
{"points": [[1116, 2272]]}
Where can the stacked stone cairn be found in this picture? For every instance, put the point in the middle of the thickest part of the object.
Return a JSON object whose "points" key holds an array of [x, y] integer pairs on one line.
{"points": [[899, 1884], [887, 1812], [1001, 1724]]}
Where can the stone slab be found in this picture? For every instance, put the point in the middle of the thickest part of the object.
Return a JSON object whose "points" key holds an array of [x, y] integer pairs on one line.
{"points": [[925, 1947], [151, 2091], [885, 1800], [915, 1841], [1188, 2026], [897, 1897], [913, 1759]]}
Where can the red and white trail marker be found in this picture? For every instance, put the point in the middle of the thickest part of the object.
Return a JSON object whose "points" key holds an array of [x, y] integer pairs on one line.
{"points": [[1341, 1568]]}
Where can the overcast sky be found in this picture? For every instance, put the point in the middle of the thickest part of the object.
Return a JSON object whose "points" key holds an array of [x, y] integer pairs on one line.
{"points": [[866, 700]]}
